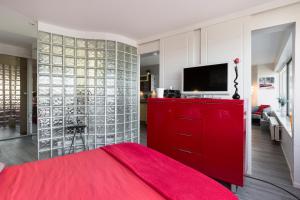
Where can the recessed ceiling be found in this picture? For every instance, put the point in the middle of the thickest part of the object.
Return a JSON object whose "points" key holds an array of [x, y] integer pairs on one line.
{"points": [[268, 43], [149, 59], [137, 19]]}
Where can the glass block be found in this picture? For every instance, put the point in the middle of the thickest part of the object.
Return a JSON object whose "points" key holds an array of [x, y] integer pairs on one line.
{"points": [[110, 73], [92, 44], [56, 143], [90, 81], [80, 110], [69, 41], [69, 81], [69, 110], [134, 67], [69, 91], [134, 125], [121, 56], [120, 118], [127, 58], [57, 50], [110, 110], [57, 80], [90, 91], [44, 123], [110, 119], [100, 73], [110, 129], [120, 128], [44, 59], [44, 112], [57, 91], [57, 101], [57, 39], [111, 55], [91, 63], [57, 111], [100, 101], [44, 133], [80, 101], [80, 72], [45, 145], [70, 120], [57, 60], [90, 100], [44, 48], [69, 62], [111, 45], [70, 52], [44, 80], [44, 37], [57, 132], [128, 66], [91, 53], [100, 110], [127, 49], [101, 44], [110, 64], [100, 82], [43, 155], [110, 82], [69, 101], [80, 81], [56, 70], [120, 109], [100, 63], [44, 91], [100, 119], [81, 53], [120, 91], [120, 100], [100, 54], [69, 71], [127, 117], [110, 91], [91, 110], [110, 101], [57, 122], [121, 65], [121, 46], [127, 127], [80, 91], [80, 43], [91, 72], [134, 59], [100, 139], [44, 101], [100, 91]]}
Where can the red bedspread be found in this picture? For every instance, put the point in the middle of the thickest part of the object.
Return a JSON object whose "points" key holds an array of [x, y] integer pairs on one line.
{"points": [[122, 172]]}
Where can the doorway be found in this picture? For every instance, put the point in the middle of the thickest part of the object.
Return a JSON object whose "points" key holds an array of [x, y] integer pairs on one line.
{"points": [[272, 104], [149, 81]]}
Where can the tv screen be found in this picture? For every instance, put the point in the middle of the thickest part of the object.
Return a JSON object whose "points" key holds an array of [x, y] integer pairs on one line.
{"points": [[209, 78]]}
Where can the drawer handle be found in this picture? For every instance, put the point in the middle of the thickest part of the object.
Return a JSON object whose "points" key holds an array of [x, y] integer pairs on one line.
{"points": [[185, 151], [185, 118], [184, 134]]}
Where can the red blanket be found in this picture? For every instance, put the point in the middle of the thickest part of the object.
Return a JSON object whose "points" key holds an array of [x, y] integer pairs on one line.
{"points": [[170, 178]]}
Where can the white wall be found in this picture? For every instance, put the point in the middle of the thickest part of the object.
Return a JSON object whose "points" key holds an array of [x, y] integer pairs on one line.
{"points": [[225, 41], [268, 96]]}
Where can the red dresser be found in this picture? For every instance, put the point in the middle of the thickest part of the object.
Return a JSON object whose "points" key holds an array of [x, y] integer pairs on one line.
{"points": [[206, 134]]}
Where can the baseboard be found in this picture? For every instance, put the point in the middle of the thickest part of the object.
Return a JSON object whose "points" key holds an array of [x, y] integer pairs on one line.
{"points": [[296, 185], [289, 166]]}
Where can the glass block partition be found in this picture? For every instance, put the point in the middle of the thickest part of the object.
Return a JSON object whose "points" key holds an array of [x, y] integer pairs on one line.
{"points": [[87, 82], [9, 94]]}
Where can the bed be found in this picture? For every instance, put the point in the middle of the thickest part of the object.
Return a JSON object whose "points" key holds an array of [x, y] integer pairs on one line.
{"points": [[121, 171]]}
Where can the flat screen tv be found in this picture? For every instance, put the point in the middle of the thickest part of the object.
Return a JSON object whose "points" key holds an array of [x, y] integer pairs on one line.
{"points": [[205, 79]]}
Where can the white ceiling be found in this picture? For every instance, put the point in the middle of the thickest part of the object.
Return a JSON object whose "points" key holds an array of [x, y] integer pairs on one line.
{"points": [[137, 19], [268, 43]]}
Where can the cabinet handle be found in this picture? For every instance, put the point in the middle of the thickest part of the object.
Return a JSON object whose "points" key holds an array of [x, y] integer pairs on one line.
{"points": [[185, 118], [184, 134], [183, 150]]}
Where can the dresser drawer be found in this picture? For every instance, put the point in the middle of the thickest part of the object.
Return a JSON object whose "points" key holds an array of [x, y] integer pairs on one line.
{"points": [[187, 157]]}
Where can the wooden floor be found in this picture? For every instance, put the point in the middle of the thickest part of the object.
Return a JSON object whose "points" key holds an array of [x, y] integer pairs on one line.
{"points": [[268, 164]]}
